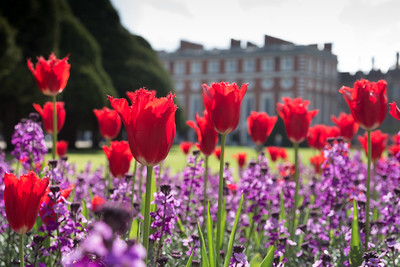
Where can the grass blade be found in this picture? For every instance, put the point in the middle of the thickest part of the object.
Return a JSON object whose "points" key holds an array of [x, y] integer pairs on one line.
{"points": [[211, 250], [282, 215], [355, 242], [233, 233], [133, 232], [84, 209], [189, 263], [269, 259], [204, 258], [223, 225]]}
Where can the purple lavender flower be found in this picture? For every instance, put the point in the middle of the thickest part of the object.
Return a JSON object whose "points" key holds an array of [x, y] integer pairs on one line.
{"points": [[103, 248], [192, 243], [28, 139], [238, 258], [372, 259]]}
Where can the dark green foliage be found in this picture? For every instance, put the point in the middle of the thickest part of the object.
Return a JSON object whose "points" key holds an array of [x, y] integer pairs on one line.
{"points": [[105, 59], [128, 59]]}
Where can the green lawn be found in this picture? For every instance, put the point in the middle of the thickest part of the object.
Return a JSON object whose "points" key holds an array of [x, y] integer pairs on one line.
{"points": [[176, 160]]}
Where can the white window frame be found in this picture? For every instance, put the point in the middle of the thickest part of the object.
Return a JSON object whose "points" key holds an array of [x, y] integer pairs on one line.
{"points": [[268, 64], [195, 67], [213, 66], [249, 65], [287, 63], [179, 68], [231, 66]]}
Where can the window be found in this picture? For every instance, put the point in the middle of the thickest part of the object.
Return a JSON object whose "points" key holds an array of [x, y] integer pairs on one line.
{"points": [[327, 68], [249, 65], [318, 86], [179, 85], [195, 105], [251, 84], [287, 63], [231, 66], [319, 66], [195, 85], [310, 84], [181, 101], [267, 64], [311, 65], [195, 67], [179, 68], [319, 105], [286, 83], [268, 83], [213, 66], [267, 103]]}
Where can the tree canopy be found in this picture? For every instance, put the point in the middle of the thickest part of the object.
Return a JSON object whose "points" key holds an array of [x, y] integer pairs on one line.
{"points": [[105, 59]]}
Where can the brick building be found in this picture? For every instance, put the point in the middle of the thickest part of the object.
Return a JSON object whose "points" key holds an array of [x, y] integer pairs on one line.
{"points": [[278, 68]]}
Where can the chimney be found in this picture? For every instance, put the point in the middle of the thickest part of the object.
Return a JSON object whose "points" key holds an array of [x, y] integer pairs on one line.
{"points": [[185, 45], [397, 60], [250, 44], [235, 43], [269, 40], [328, 47]]}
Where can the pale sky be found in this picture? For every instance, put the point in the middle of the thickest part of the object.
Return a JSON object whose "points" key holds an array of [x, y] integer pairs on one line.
{"points": [[358, 29]]}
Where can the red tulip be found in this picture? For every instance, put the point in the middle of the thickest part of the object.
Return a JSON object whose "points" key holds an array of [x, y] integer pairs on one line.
{"points": [[119, 158], [217, 152], [97, 203], [185, 147], [206, 134], [232, 187], [47, 115], [318, 135], [317, 161], [286, 169], [367, 102], [109, 122], [296, 118], [21, 199], [378, 143], [51, 75], [149, 123], [259, 126], [46, 211], [396, 138], [348, 127], [394, 111], [61, 148], [222, 102], [394, 149], [277, 152], [241, 158]]}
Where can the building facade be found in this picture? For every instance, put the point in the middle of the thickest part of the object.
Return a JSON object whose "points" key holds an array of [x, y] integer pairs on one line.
{"points": [[277, 69]]}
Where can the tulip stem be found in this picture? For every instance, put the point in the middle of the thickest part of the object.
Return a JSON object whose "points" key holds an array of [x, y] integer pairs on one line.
{"points": [[296, 192], [220, 197], [368, 191], [159, 177], [146, 214], [53, 152], [133, 182], [205, 191], [108, 175], [21, 250]]}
